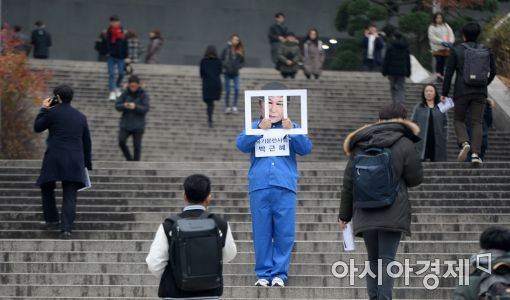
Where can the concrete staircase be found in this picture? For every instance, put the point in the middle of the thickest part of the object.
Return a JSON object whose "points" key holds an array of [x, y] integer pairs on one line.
{"points": [[117, 219], [176, 125]]}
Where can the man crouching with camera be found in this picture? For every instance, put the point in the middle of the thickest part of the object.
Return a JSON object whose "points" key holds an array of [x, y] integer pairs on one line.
{"points": [[67, 155]]}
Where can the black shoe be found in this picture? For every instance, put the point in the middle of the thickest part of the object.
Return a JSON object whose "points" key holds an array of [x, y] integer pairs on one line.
{"points": [[66, 235]]}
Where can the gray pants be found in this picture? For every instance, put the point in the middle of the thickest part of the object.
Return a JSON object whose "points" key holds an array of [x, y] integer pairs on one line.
{"points": [[398, 88], [381, 245], [476, 104]]}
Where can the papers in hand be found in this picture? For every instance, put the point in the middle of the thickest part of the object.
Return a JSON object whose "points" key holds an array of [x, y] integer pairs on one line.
{"points": [[446, 105], [88, 184], [348, 238]]}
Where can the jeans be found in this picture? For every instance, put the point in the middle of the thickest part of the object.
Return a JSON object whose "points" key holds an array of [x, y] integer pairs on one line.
{"points": [[398, 89], [228, 79], [49, 204], [383, 245], [112, 62], [137, 144], [440, 64], [475, 104]]}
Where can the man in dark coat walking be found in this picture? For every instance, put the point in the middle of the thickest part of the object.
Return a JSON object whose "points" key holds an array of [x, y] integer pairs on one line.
{"points": [[397, 66], [41, 41], [67, 156], [134, 104]]}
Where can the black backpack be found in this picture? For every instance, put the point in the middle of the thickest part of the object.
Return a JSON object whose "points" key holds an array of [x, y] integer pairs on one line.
{"points": [[496, 286], [476, 65], [374, 181], [195, 252]]}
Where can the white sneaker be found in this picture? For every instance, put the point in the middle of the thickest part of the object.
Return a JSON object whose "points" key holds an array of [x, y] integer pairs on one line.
{"points": [[228, 110], [118, 92], [262, 282], [464, 151], [476, 159], [234, 109], [277, 281], [112, 97]]}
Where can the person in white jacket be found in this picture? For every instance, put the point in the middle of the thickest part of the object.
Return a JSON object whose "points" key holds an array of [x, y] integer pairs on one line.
{"points": [[197, 194], [441, 39]]}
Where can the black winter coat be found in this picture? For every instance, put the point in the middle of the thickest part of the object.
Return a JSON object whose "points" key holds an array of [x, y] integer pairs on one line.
{"points": [[119, 49], [232, 62], [397, 61], [41, 41], [455, 64], [68, 145], [210, 72], [398, 135], [133, 120], [275, 31]]}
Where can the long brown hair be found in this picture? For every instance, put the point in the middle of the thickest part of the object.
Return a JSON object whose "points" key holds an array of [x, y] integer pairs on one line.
{"points": [[239, 48]]}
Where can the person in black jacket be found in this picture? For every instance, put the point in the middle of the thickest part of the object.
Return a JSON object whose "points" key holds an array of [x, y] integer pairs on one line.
{"points": [[134, 104], [210, 72], [397, 66], [67, 156], [41, 41], [277, 33], [117, 53], [466, 96], [232, 58], [101, 46], [372, 45]]}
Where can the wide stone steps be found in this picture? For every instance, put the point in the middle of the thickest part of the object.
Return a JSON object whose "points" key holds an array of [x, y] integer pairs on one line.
{"points": [[117, 219], [333, 103]]}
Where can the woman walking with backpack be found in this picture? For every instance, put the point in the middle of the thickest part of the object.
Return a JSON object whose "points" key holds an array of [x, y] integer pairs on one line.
{"points": [[378, 205], [232, 58]]}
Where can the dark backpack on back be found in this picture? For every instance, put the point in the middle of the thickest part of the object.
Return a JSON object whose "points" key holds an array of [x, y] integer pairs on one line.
{"points": [[195, 252], [374, 181], [496, 286], [476, 65]]}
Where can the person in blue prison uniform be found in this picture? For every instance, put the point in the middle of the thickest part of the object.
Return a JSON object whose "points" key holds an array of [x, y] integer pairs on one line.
{"points": [[272, 187]]}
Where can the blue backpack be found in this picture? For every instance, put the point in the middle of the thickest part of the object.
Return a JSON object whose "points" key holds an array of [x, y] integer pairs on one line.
{"points": [[375, 183]]}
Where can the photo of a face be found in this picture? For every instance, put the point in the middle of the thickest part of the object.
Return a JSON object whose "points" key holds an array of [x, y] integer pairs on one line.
{"points": [[275, 108], [276, 105]]}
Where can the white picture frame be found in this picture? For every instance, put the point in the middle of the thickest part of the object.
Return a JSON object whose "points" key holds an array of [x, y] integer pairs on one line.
{"points": [[249, 94]]}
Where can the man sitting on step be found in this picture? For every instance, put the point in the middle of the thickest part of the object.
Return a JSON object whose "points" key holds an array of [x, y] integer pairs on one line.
{"points": [[177, 279], [272, 187]]}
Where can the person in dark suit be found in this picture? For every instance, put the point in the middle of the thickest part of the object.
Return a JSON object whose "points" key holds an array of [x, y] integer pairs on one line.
{"points": [[68, 154], [134, 104], [41, 41], [210, 72], [372, 46]]}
